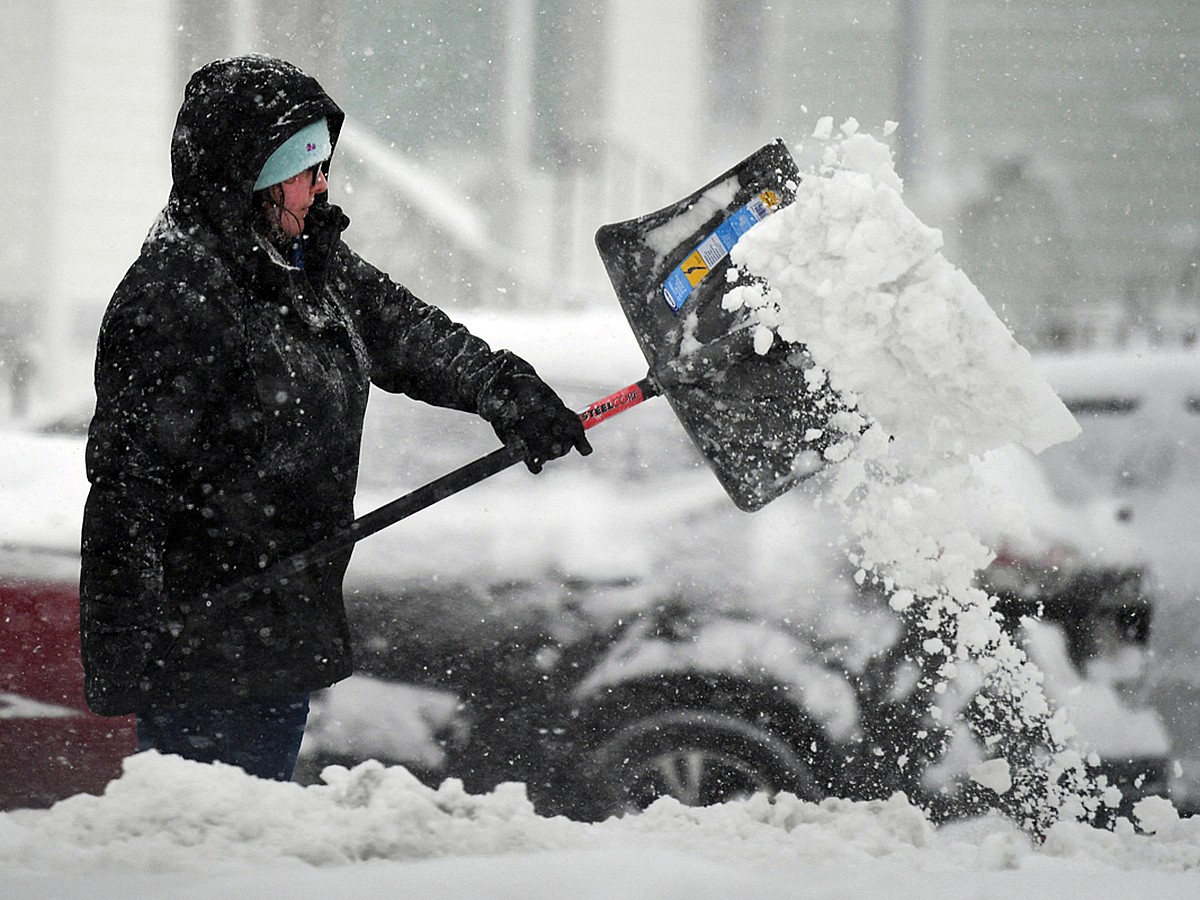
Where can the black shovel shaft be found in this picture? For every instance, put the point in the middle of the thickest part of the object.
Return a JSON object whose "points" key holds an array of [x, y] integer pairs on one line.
{"points": [[425, 496]]}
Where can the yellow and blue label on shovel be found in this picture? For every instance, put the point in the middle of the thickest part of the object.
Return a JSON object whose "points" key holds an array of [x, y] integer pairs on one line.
{"points": [[713, 249]]}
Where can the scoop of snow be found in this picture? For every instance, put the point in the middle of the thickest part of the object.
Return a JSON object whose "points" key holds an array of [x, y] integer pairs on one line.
{"points": [[936, 381]]}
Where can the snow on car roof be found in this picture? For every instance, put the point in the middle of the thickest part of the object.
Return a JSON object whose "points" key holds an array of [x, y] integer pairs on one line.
{"points": [[1139, 373], [42, 491], [43, 484], [588, 347]]}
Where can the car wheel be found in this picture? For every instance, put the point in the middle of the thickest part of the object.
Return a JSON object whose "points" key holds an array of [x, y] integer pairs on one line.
{"points": [[697, 757]]}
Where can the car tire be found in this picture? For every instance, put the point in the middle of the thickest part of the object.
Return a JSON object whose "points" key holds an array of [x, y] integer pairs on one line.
{"points": [[698, 757]]}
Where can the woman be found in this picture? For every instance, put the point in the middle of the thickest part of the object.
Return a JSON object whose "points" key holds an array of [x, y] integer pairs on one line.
{"points": [[232, 373]]}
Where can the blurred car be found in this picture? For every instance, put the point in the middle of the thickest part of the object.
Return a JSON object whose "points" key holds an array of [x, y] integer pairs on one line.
{"points": [[1140, 413], [613, 630], [52, 745]]}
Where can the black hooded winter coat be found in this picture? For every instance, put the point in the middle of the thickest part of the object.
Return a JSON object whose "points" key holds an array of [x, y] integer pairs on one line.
{"points": [[230, 389]]}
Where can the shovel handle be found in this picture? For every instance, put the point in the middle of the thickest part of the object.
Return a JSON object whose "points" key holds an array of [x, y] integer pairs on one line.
{"points": [[476, 471], [618, 402], [425, 496]]}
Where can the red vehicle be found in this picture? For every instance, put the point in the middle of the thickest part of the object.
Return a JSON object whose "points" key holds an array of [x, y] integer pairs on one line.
{"points": [[52, 746]]}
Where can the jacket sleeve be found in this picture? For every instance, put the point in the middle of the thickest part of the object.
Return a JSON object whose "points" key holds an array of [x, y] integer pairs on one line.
{"points": [[154, 365], [414, 348]]}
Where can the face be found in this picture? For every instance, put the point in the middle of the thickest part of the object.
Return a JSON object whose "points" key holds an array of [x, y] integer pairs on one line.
{"points": [[291, 199]]}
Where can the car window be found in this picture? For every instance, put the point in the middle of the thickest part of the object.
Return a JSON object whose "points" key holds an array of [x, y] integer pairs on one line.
{"points": [[1103, 406], [1129, 444]]}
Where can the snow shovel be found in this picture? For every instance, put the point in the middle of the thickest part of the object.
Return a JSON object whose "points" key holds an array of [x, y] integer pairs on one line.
{"points": [[749, 415]]}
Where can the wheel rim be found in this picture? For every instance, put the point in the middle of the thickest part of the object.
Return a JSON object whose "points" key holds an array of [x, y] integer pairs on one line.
{"points": [[694, 777]]}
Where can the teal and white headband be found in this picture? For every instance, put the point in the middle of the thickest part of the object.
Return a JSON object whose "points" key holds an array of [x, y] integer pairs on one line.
{"points": [[303, 150]]}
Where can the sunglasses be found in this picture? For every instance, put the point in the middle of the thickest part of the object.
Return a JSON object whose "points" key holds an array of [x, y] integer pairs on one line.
{"points": [[312, 172]]}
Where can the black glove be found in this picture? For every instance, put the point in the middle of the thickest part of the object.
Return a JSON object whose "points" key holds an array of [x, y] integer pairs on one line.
{"points": [[529, 416]]}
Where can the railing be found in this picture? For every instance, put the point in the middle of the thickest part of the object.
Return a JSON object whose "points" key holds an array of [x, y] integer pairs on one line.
{"points": [[527, 243]]}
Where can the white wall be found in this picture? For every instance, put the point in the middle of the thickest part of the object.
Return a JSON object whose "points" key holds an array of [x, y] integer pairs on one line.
{"points": [[114, 112], [92, 86], [656, 94]]}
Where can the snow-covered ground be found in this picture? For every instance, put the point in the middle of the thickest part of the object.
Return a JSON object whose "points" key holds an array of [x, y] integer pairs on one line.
{"points": [[170, 828]]}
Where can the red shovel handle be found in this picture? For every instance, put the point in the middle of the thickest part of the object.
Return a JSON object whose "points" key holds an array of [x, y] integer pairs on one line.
{"points": [[617, 402]]}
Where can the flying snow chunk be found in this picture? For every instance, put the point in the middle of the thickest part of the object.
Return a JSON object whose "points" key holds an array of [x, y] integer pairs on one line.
{"points": [[993, 774], [857, 278]]}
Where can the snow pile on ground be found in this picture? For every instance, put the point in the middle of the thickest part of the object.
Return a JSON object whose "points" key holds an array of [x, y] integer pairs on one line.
{"points": [[934, 381], [177, 828]]}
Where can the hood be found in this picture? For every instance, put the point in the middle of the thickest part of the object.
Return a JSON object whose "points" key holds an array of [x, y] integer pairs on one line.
{"points": [[235, 113]]}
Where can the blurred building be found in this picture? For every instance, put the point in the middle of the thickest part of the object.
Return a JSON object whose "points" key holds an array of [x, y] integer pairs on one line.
{"points": [[86, 169], [1053, 141]]}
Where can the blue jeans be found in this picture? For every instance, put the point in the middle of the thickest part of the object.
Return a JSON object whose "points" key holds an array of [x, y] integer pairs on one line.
{"points": [[261, 737]]}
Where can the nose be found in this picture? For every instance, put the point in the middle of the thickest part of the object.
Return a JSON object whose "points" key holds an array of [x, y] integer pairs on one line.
{"points": [[320, 184]]}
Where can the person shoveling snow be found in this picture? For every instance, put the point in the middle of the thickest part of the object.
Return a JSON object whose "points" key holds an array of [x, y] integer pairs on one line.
{"points": [[853, 352]]}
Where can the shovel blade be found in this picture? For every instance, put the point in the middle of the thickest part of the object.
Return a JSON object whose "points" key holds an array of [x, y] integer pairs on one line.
{"points": [[751, 416]]}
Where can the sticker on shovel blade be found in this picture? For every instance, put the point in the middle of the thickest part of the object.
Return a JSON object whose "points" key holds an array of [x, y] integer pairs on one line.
{"points": [[695, 268]]}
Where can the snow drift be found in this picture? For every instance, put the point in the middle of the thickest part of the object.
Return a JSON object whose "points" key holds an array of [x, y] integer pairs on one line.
{"points": [[177, 828]]}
